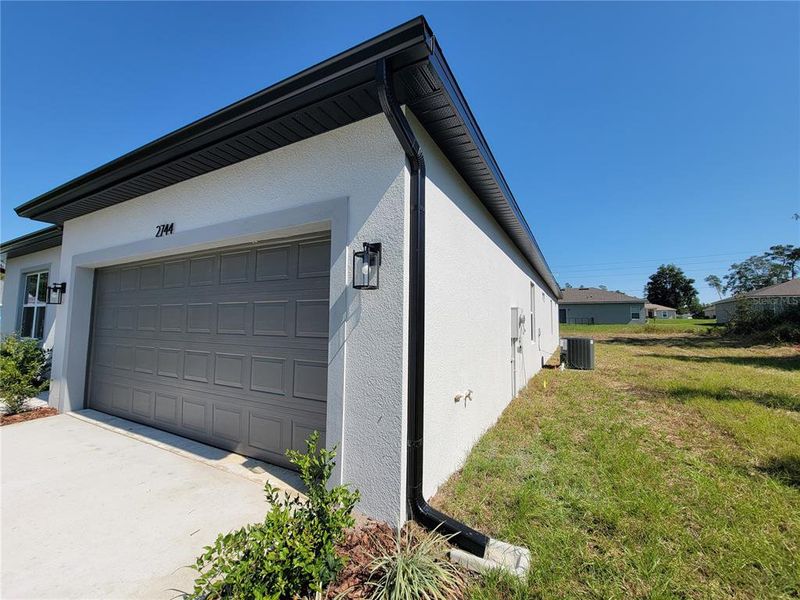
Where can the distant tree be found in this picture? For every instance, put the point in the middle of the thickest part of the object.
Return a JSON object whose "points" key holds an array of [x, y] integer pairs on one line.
{"points": [[715, 283], [670, 286], [786, 255], [777, 265], [604, 287], [567, 285]]}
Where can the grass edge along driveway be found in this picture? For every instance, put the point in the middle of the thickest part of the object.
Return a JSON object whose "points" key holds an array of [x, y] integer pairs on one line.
{"points": [[671, 471]]}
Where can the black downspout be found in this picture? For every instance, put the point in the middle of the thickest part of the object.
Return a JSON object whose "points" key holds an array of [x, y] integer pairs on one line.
{"points": [[463, 536]]}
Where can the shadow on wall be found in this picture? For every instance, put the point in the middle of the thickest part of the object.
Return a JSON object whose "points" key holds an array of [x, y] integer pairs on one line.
{"points": [[784, 363], [345, 316], [781, 400]]}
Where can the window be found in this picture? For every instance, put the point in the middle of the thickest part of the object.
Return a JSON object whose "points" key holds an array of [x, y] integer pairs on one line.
{"points": [[533, 312], [33, 305], [635, 315], [552, 311], [664, 314]]}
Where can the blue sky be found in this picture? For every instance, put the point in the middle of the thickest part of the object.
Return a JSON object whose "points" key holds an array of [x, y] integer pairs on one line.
{"points": [[631, 133]]}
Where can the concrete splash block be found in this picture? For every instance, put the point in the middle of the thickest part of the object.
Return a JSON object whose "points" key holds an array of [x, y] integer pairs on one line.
{"points": [[499, 555]]}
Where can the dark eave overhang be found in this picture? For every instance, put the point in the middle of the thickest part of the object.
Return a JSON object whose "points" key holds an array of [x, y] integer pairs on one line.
{"points": [[49, 237], [331, 94]]}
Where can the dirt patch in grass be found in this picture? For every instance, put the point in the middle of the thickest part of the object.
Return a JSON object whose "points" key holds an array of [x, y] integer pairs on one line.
{"points": [[28, 415]]}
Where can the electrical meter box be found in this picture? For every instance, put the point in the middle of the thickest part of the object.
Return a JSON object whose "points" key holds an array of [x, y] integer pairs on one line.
{"points": [[514, 323]]}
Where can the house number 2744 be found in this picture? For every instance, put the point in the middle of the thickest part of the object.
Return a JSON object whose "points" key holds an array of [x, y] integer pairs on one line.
{"points": [[165, 229]]}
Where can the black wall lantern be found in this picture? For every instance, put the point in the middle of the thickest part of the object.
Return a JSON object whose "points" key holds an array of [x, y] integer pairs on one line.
{"points": [[55, 293], [366, 267]]}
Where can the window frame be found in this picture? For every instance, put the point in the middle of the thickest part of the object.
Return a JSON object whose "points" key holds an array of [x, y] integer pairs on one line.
{"points": [[638, 314], [39, 305]]}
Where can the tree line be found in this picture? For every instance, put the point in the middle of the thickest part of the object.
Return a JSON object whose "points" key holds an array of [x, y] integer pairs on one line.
{"points": [[670, 286], [776, 265]]}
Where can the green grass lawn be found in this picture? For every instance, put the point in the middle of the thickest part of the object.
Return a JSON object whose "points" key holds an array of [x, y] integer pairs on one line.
{"points": [[671, 471], [652, 326]]}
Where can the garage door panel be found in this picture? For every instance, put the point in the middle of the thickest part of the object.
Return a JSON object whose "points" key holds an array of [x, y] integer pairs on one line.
{"points": [[223, 343], [234, 267], [227, 347], [151, 277], [142, 403], [166, 408], [193, 414], [310, 379], [272, 264], [203, 270]]}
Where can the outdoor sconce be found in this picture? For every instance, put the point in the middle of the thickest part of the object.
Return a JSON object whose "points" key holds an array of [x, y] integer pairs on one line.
{"points": [[366, 265], [55, 293]]}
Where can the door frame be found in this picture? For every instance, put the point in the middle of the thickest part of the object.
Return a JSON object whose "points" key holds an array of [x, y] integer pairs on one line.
{"points": [[72, 364]]}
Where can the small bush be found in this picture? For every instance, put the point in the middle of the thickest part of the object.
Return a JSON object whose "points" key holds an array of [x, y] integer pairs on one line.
{"points": [[416, 566], [23, 365], [773, 326], [292, 553]]}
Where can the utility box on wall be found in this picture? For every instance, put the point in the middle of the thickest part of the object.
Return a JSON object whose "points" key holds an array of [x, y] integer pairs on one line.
{"points": [[514, 323], [579, 353]]}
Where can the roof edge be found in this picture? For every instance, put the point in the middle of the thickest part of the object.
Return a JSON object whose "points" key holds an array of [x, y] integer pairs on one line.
{"points": [[49, 237], [534, 254], [409, 33]]}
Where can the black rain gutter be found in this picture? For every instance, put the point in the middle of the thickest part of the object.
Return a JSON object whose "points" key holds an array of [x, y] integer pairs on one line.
{"points": [[464, 537]]}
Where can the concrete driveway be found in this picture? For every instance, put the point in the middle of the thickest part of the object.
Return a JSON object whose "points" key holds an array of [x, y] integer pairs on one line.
{"points": [[98, 507]]}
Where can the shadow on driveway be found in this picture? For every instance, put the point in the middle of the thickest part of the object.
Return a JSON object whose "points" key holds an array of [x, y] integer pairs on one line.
{"points": [[90, 512]]}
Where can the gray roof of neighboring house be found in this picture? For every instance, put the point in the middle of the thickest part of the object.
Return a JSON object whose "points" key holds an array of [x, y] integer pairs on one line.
{"points": [[49, 237], [584, 295], [787, 288], [331, 94], [657, 306]]}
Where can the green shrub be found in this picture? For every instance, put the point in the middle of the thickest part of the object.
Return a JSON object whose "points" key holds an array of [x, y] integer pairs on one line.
{"points": [[293, 552], [773, 326], [23, 365], [416, 566]]}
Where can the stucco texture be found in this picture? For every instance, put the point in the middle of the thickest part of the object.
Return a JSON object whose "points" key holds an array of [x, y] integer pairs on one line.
{"points": [[474, 275], [16, 269], [352, 181]]}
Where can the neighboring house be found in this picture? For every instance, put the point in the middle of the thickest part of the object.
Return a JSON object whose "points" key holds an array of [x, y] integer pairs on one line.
{"points": [[658, 311], [773, 298], [210, 276], [585, 305], [31, 263], [710, 311]]}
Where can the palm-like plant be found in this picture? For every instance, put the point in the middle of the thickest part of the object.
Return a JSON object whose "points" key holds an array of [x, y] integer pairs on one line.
{"points": [[415, 566]]}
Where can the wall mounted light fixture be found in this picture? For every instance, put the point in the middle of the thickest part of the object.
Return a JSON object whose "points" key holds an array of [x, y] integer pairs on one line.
{"points": [[366, 267], [55, 293]]}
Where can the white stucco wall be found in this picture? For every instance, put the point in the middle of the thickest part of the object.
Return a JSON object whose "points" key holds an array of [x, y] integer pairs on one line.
{"points": [[474, 275], [16, 269], [352, 181]]}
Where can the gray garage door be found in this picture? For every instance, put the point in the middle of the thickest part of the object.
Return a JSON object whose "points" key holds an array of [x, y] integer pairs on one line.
{"points": [[228, 347]]}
